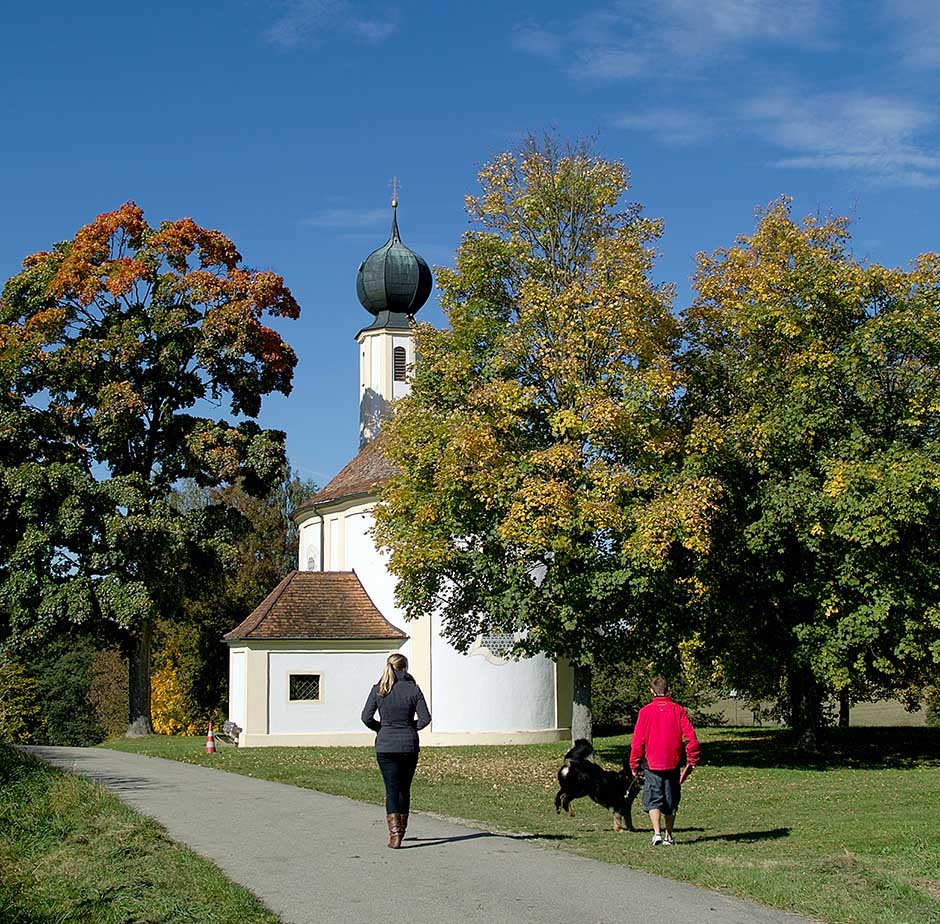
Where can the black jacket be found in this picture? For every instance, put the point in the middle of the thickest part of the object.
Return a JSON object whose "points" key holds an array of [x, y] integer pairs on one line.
{"points": [[398, 727]]}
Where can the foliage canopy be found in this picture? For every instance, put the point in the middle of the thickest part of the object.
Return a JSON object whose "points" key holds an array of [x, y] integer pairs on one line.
{"points": [[814, 397], [539, 493], [115, 347]]}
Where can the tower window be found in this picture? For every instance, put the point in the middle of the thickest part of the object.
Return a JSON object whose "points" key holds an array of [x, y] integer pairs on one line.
{"points": [[398, 363]]}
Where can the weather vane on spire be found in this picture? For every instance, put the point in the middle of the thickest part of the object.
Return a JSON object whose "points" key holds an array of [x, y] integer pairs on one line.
{"points": [[395, 187]]}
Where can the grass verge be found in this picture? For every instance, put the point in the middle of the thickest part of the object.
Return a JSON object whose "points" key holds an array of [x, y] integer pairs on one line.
{"points": [[69, 852], [851, 838]]}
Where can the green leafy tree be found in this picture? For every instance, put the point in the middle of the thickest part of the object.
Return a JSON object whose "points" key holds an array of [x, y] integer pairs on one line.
{"points": [[265, 550], [539, 491], [814, 396], [62, 671], [114, 348]]}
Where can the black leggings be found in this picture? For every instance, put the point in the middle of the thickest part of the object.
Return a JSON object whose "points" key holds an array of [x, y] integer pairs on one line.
{"points": [[398, 770]]}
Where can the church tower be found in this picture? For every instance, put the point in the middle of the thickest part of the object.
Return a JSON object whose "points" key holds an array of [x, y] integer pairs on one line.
{"points": [[393, 283]]}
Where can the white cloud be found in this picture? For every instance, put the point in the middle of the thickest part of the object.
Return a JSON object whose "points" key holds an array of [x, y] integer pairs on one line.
{"points": [[627, 39], [918, 31], [349, 218], [375, 31], [536, 40], [305, 21], [881, 138], [877, 136], [674, 127]]}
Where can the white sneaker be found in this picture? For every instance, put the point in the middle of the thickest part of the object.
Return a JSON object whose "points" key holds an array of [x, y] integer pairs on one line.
{"points": [[657, 840], [669, 840]]}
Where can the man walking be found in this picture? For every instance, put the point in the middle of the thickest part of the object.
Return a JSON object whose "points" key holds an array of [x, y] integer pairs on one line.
{"points": [[662, 727]]}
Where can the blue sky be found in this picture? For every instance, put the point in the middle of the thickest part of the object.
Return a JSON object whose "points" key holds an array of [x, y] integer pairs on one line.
{"points": [[281, 122]]}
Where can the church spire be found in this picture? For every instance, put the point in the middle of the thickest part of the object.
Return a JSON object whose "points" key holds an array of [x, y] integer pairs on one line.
{"points": [[393, 283]]}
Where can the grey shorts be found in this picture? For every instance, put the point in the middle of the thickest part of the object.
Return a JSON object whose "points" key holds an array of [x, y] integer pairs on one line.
{"points": [[661, 791]]}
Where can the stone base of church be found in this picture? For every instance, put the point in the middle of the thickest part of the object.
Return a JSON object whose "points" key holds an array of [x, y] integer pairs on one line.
{"points": [[428, 739]]}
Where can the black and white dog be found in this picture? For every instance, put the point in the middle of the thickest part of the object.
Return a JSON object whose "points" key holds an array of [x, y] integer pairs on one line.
{"points": [[580, 776]]}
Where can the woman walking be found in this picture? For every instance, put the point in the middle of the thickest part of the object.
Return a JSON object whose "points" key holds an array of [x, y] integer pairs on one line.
{"points": [[402, 712]]}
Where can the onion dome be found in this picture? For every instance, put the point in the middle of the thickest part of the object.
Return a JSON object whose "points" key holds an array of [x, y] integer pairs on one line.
{"points": [[393, 278]]}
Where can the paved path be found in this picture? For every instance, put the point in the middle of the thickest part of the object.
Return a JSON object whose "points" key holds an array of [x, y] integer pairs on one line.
{"points": [[311, 857]]}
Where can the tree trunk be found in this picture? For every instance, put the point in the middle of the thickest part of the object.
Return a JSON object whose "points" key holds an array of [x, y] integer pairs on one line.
{"points": [[805, 708], [138, 686], [581, 723], [844, 708]]}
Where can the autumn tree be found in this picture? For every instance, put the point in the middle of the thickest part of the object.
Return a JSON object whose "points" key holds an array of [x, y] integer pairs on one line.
{"points": [[814, 396], [115, 347], [538, 491]]}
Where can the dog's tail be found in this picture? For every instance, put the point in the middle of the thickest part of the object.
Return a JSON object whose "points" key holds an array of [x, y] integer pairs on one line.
{"points": [[582, 750]]}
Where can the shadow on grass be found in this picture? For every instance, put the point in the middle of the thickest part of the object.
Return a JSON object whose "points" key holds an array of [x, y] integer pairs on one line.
{"points": [[772, 748], [741, 837]]}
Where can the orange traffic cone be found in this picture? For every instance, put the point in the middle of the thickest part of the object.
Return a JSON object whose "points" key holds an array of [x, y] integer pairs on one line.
{"points": [[210, 741]]}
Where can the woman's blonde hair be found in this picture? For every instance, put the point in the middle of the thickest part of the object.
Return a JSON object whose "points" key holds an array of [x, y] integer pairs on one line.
{"points": [[395, 662]]}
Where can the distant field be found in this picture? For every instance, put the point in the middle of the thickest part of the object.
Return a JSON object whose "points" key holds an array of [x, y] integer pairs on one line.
{"points": [[885, 713], [851, 838]]}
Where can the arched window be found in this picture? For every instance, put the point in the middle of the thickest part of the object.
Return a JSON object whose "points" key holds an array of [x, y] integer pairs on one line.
{"points": [[398, 363]]}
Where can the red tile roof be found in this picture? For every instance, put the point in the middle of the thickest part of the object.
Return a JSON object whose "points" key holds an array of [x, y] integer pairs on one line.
{"points": [[317, 605], [362, 476]]}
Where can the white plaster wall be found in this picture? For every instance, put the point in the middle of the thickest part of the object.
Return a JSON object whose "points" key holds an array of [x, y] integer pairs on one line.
{"points": [[237, 687], [400, 389], [472, 694], [375, 373], [359, 547], [345, 681], [310, 556], [371, 566], [333, 561]]}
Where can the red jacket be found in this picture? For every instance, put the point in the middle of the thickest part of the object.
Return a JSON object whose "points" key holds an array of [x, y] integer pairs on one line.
{"points": [[661, 728]]}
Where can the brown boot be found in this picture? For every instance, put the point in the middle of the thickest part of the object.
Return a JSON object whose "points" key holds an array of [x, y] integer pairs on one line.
{"points": [[394, 830], [404, 824]]}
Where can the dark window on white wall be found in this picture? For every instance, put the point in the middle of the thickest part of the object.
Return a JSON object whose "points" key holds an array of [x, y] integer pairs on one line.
{"points": [[304, 687], [398, 361]]}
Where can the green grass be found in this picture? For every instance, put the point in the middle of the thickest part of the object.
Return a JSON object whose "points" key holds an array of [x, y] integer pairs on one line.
{"points": [[851, 838], [72, 854]]}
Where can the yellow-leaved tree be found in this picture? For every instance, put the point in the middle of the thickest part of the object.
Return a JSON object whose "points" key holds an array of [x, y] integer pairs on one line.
{"points": [[540, 490], [813, 393]]}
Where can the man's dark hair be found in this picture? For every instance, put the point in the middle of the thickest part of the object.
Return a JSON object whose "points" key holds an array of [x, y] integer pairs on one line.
{"points": [[659, 686]]}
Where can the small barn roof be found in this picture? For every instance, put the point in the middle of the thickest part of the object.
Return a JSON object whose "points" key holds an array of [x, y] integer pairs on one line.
{"points": [[317, 605], [369, 469]]}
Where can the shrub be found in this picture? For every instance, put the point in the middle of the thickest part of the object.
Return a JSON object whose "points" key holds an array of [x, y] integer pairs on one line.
{"points": [[170, 706], [620, 691], [61, 670], [20, 710], [107, 691], [182, 699]]}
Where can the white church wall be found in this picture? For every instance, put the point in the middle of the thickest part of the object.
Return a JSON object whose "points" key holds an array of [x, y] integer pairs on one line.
{"points": [[371, 566], [310, 554], [472, 694], [400, 389], [237, 688], [345, 681], [333, 560], [376, 371]]}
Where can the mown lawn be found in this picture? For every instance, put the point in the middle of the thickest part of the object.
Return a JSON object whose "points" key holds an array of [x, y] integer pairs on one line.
{"points": [[850, 838], [72, 854]]}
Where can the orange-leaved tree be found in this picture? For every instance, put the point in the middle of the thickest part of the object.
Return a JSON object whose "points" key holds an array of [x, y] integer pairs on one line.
{"points": [[119, 351]]}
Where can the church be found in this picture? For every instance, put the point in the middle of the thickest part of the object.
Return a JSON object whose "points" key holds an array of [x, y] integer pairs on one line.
{"points": [[302, 664]]}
